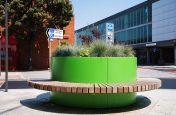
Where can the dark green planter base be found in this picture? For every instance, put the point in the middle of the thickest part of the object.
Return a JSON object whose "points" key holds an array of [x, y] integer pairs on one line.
{"points": [[93, 100]]}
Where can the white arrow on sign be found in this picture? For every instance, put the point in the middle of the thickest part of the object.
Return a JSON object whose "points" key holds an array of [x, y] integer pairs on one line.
{"points": [[54, 33]]}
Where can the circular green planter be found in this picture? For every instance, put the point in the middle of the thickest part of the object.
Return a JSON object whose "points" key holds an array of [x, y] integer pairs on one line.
{"points": [[94, 70]]}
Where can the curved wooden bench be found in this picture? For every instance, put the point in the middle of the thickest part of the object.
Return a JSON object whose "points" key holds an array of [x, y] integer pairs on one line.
{"points": [[141, 84]]}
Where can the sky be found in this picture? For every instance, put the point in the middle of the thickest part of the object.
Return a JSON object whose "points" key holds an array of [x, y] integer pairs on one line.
{"points": [[90, 11]]}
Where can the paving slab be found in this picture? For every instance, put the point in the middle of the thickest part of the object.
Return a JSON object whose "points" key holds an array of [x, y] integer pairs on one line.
{"points": [[23, 100], [1, 83], [32, 101]]}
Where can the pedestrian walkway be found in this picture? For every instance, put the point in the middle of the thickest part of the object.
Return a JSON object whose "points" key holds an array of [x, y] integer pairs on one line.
{"points": [[12, 76], [157, 71], [1, 83], [21, 99]]}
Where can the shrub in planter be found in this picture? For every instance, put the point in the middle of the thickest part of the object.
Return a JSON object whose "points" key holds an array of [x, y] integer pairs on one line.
{"points": [[97, 63], [84, 52], [65, 51], [119, 51], [97, 49]]}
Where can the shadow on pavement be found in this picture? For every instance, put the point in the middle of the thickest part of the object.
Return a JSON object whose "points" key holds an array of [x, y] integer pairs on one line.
{"points": [[168, 83], [165, 70], [17, 85], [43, 103]]}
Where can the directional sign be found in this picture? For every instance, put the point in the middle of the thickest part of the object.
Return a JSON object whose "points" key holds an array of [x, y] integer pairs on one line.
{"points": [[110, 33], [54, 33]]}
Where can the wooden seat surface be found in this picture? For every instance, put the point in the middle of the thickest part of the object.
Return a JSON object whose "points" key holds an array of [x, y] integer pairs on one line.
{"points": [[141, 84]]}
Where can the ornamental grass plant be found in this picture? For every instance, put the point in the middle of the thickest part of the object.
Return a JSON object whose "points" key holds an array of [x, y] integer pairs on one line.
{"points": [[97, 49], [66, 51]]}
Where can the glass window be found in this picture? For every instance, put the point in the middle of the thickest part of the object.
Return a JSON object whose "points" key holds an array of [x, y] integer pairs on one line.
{"points": [[118, 37], [135, 35], [115, 24], [149, 13], [135, 18], [150, 33], [145, 33], [122, 21], [139, 35], [131, 36], [142, 34], [131, 20], [128, 20], [142, 16], [138, 17], [146, 15], [119, 23], [126, 36]]}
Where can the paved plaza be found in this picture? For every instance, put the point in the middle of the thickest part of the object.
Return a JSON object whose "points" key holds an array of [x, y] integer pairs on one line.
{"points": [[23, 100]]}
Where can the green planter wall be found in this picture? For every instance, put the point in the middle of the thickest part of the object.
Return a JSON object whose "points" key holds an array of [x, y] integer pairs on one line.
{"points": [[94, 70]]}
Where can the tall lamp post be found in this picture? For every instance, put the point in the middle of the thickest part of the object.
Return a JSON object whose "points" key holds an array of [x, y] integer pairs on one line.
{"points": [[6, 45]]}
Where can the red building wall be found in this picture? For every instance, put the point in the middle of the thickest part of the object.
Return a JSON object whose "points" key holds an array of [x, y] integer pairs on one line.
{"points": [[40, 49], [68, 36]]}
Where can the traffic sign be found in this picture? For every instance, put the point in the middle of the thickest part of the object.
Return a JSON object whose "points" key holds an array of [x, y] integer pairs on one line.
{"points": [[54, 33]]}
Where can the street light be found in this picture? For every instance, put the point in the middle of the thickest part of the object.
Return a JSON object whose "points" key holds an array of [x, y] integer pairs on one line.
{"points": [[6, 45]]}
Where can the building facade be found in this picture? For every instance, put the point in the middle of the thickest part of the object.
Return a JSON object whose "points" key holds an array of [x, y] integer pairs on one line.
{"points": [[41, 49], [148, 27]]}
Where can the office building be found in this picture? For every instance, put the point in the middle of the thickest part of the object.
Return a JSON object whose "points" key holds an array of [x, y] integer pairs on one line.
{"points": [[149, 27]]}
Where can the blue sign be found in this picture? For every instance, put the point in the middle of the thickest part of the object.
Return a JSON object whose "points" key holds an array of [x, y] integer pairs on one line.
{"points": [[110, 27], [54, 33], [50, 32]]}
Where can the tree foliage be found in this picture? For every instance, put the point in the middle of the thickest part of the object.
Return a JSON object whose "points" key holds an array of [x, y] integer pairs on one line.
{"points": [[26, 16], [93, 34]]}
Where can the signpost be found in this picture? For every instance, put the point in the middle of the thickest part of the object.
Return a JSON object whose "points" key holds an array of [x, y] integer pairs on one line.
{"points": [[53, 34], [0, 52], [110, 33], [6, 61]]}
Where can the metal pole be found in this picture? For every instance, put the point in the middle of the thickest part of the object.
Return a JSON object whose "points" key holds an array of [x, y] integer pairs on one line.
{"points": [[0, 53], [50, 50], [59, 43], [6, 45]]}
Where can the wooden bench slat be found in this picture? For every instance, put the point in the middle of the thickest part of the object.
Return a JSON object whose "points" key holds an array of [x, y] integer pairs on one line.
{"points": [[142, 84], [109, 89], [103, 88], [97, 88]]}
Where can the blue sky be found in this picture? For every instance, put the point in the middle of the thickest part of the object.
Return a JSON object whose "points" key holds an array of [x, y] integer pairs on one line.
{"points": [[89, 11]]}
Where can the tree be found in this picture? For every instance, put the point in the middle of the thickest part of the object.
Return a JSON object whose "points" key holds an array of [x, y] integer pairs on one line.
{"points": [[28, 16], [93, 34]]}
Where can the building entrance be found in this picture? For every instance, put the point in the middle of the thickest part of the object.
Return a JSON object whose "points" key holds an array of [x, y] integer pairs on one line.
{"points": [[155, 56]]}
